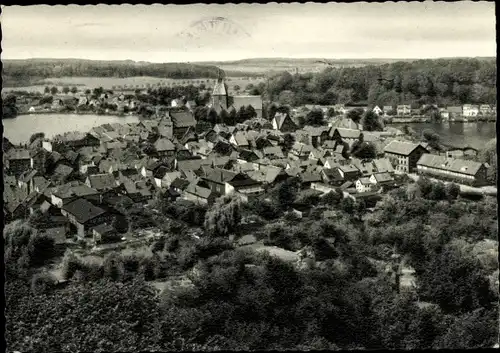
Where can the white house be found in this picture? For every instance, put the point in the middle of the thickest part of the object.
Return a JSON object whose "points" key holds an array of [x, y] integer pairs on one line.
{"points": [[377, 110], [470, 110], [364, 185]]}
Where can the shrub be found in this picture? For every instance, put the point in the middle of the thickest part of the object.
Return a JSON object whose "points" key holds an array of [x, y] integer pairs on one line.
{"points": [[113, 267], [43, 283], [70, 264]]}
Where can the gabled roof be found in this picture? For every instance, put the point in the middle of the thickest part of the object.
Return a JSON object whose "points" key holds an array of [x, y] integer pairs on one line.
{"points": [[302, 148], [191, 164], [266, 174], [383, 177], [365, 181], [182, 119], [102, 181], [198, 191], [240, 138], [348, 168], [383, 165], [160, 172], [179, 183], [455, 165], [401, 148], [163, 144], [348, 133], [332, 174], [82, 210], [62, 170], [280, 119], [242, 179], [16, 153], [27, 175], [218, 175], [275, 151]]}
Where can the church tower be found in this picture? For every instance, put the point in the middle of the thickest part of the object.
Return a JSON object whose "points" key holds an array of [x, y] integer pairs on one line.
{"points": [[219, 94]]}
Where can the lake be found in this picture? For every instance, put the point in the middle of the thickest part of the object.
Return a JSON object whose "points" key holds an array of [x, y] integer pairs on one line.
{"points": [[459, 134], [20, 129]]}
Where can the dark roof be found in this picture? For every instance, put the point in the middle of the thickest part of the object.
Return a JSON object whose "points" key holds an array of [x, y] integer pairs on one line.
{"points": [[332, 174], [160, 172], [242, 179], [73, 189], [182, 119], [199, 191], [309, 177], [104, 229], [82, 210], [401, 147], [218, 175], [179, 183]]}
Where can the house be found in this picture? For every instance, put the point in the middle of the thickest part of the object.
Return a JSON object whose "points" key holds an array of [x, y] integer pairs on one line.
{"points": [[243, 185], [216, 179], [332, 162], [388, 109], [384, 180], [83, 215], [78, 139], [199, 195], [179, 185], [148, 169], [101, 182], [377, 110], [248, 156], [283, 123], [454, 111], [104, 233], [164, 147], [192, 164], [273, 152], [470, 152], [349, 172], [459, 170], [307, 178], [365, 167], [364, 185], [485, 109], [470, 110], [444, 113], [25, 180], [268, 175], [61, 173], [68, 192], [403, 109], [300, 151], [346, 135], [332, 176], [17, 161], [167, 179], [239, 139], [383, 165], [182, 121], [404, 155], [39, 183], [455, 153]]}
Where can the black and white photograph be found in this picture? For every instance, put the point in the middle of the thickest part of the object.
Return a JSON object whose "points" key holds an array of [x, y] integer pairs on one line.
{"points": [[250, 177]]}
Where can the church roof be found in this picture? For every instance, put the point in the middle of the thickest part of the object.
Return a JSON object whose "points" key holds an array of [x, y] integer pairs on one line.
{"points": [[219, 88]]}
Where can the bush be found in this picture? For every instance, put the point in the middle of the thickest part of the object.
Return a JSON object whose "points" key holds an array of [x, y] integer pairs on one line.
{"points": [[43, 283], [113, 267], [70, 264]]}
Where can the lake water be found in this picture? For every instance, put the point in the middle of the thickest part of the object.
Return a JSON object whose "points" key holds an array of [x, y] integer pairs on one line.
{"points": [[460, 134], [20, 129]]}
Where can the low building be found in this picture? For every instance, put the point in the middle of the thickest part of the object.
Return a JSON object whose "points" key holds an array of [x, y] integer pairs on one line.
{"points": [[84, 215], [403, 109], [470, 110], [199, 195], [364, 185], [17, 161], [458, 170]]}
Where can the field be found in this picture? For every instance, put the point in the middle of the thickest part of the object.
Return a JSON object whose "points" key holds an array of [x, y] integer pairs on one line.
{"points": [[83, 83]]}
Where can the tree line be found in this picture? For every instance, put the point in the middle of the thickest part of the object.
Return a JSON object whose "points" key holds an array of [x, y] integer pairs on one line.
{"points": [[441, 81]]}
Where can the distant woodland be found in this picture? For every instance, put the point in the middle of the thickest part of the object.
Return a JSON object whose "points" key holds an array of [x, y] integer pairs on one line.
{"points": [[441, 81], [27, 72]]}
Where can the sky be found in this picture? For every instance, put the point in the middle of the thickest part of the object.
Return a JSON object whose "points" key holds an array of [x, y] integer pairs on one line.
{"points": [[183, 33]]}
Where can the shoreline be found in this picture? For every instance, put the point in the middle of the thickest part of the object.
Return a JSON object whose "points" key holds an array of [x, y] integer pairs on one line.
{"points": [[71, 113]]}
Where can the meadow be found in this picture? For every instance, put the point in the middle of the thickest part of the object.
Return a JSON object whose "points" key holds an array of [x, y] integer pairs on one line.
{"points": [[140, 82]]}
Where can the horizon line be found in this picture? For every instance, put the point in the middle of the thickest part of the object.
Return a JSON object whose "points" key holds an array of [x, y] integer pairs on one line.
{"points": [[251, 58]]}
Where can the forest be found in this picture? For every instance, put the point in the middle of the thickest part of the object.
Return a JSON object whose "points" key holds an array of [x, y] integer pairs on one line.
{"points": [[243, 300], [28, 72], [442, 81]]}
